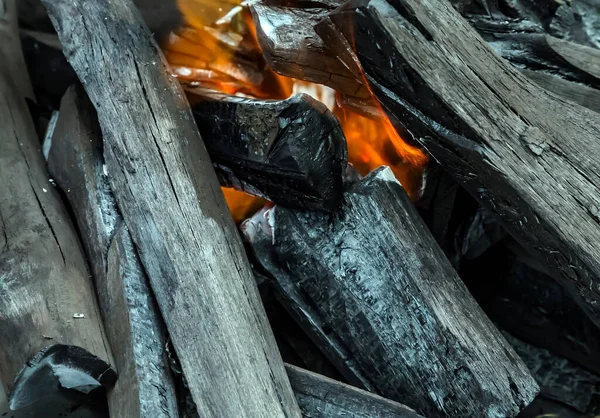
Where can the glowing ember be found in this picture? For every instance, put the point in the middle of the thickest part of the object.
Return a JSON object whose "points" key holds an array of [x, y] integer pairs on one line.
{"points": [[218, 49]]}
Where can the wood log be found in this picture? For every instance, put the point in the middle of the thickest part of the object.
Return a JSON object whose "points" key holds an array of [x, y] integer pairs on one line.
{"points": [[169, 196], [133, 324], [378, 281], [321, 397], [526, 154], [295, 156], [47, 296]]}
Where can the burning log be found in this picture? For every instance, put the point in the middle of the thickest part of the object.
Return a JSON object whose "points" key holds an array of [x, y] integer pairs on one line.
{"points": [[539, 173], [376, 278], [51, 332], [169, 197], [295, 156], [291, 46], [133, 324], [321, 397]]}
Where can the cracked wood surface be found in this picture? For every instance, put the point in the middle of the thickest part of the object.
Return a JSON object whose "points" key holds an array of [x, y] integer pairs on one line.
{"points": [[169, 196], [44, 279], [528, 155], [378, 281], [133, 324]]}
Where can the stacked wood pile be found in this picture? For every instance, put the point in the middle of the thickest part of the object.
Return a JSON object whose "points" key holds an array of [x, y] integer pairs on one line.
{"points": [[133, 293]]}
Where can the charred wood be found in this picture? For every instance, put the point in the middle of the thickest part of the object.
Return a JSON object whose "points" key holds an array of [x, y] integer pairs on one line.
{"points": [[133, 324], [291, 152], [530, 157], [376, 278], [321, 397], [47, 295], [169, 196]]}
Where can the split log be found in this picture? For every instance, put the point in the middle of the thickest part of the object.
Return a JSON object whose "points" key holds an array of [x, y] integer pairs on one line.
{"points": [[169, 197], [294, 156], [378, 281], [133, 324], [321, 397], [47, 296], [527, 155]]}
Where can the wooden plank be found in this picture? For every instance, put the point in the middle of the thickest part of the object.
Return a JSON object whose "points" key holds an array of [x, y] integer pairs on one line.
{"points": [[132, 321], [526, 154], [376, 278], [169, 196]]}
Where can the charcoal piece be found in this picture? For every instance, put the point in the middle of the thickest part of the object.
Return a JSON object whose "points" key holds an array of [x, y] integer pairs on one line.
{"points": [[292, 152], [169, 196], [530, 157], [321, 397], [132, 321], [376, 278]]}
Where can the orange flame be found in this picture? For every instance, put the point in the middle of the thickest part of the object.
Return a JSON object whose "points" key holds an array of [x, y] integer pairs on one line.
{"points": [[218, 49]]}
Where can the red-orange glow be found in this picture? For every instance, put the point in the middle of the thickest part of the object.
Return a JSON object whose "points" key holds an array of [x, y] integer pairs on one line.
{"points": [[218, 49]]}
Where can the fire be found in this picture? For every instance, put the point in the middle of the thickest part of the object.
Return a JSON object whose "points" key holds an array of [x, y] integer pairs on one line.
{"points": [[218, 49]]}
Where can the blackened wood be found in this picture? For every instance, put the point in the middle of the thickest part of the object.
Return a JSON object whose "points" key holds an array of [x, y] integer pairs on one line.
{"points": [[529, 156], [378, 281], [288, 40], [169, 196], [133, 324], [291, 152], [47, 295], [321, 397]]}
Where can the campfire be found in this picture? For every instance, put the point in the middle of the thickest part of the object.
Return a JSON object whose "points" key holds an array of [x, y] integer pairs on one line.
{"points": [[299, 208]]}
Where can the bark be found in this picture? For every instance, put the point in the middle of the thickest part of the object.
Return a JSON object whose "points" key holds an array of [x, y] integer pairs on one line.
{"points": [[133, 324], [526, 154], [376, 278], [169, 196]]}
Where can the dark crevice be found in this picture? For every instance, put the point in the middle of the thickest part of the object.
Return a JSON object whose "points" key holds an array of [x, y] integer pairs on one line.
{"points": [[48, 222]]}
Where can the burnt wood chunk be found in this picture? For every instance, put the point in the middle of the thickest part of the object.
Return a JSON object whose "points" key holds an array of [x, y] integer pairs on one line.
{"points": [[291, 152], [47, 297], [321, 397], [288, 40], [131, 318], [377, 279], [526, 154], [169, 196]]}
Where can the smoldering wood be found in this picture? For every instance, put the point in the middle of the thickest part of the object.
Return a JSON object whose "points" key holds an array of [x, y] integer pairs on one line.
{"points": [[559, 379], [529, 156], [321, 397], [378, 281], [170, 199], [285, 32], [47, 295], [291, 152], [132, 321]]}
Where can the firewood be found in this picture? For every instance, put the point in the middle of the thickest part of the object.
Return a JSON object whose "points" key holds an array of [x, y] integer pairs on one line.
{"points": [[48, 304], [378, 281], [294, 157], [321, 397], [169, 196], [529, 156], [133, 324]]}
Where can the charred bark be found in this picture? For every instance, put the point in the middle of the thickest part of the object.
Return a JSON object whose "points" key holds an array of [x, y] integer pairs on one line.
{"points": [[527, 155], [321, 397], [376, 278], [291, 152], [169, 196], [47, 296], [133, 324]]}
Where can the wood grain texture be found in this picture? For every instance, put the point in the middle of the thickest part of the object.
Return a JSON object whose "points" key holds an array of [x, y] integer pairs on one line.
{"points": [[132, 321], [322, 397], [44, 276], [528, 155], [378, 281], [169, 196]]}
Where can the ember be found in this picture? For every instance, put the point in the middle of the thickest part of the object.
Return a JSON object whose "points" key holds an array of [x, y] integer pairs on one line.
{"points": [[218, 49]]}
